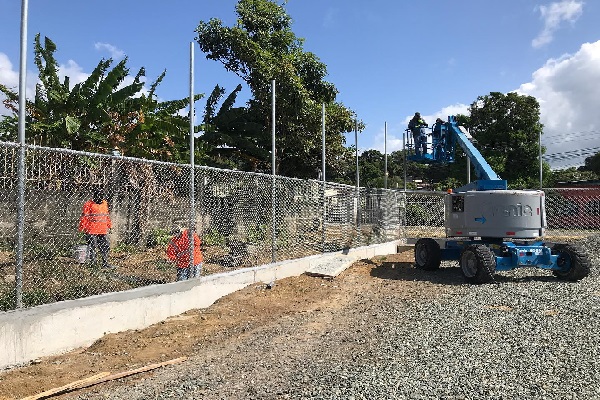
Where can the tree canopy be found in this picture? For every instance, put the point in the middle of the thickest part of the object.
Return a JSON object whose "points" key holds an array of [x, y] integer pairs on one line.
{"points": [[592, 164], [507, 129], [261, 47], [234, 136], [99, 114]]}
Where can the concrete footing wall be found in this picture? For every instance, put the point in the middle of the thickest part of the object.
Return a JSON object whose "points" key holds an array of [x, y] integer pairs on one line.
{"points": [[56, 328]]}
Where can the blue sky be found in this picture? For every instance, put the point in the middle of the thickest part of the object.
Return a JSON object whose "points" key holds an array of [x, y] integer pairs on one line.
{"points": [[388, 58]]}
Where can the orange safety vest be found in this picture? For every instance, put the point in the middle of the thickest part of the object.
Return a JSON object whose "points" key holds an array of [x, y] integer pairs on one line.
{"points": [[95, 218], [178, 249]]}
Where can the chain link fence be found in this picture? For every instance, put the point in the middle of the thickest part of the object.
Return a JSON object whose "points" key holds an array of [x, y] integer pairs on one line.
{"points": [[573, 212], [244, 220]]}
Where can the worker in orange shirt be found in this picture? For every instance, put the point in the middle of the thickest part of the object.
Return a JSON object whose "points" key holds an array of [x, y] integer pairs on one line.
{"points": [[95, 223], [178, 251]]}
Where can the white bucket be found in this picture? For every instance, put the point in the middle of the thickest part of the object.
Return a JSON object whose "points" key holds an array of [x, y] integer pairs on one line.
{"points": [[80, 253]]}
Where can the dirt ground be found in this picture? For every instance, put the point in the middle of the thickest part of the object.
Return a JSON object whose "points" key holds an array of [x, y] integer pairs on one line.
{"points": [[221, 323]]}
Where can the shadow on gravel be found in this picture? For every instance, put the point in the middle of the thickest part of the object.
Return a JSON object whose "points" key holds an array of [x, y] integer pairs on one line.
{"points": [[530, 278], [450, 275], [405, 271]]}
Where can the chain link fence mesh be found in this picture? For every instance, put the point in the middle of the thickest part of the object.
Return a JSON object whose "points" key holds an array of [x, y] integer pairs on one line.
{"points": [[244, 220], [572, 212]]}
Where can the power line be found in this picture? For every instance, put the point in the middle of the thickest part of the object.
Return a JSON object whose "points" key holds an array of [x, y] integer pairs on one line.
{"points": [[567, 154], [570, 134], [584, 139], [574, 158]]}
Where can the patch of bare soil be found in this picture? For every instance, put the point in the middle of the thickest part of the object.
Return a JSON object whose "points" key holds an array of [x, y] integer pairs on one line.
{"points": [[215, 326]]}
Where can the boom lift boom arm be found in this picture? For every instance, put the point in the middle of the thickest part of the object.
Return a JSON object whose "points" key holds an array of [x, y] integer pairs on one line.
{"points": [[487, 178]]}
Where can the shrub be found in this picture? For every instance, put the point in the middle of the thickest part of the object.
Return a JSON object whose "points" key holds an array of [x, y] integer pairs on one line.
{"points": [[257, 233], [213, 238], [158, 238]]}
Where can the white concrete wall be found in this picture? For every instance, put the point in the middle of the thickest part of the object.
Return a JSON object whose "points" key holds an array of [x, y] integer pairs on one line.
{"points": [[59, 327]]}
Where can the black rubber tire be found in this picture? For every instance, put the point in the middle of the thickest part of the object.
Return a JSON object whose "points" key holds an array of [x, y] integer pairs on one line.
{"points": [[478, 264], [580, 263], [427, 254]]}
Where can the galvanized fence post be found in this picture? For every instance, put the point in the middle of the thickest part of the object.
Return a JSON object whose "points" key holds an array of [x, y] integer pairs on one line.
{"points": [[192, 222], [273, 172], [21, 173], [323, 175]]}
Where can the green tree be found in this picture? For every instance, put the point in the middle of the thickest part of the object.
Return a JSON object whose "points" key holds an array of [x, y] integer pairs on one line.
{"points": [[570, 175], [592, 164], [507, 129], [159, 132], [234, 136], [414, 171], [261, 47], [103, 113], [371, 166]]}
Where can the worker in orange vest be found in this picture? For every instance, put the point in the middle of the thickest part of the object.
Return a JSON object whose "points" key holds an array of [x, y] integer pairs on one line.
{"points": [[178, 251], [95, 223]]}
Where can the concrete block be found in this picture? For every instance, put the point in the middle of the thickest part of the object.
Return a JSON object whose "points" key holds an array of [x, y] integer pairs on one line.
{"points": [[331, 267]]}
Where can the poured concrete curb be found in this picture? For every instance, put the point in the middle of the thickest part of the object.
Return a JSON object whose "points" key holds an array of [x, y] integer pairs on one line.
{"points": [[59, 327]]}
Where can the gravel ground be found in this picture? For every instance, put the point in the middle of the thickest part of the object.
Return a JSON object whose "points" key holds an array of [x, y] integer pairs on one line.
{"points": [[529, 336]]}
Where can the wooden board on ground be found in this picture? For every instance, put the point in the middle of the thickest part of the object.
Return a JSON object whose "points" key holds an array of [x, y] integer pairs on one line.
{"points": [[100, 378]]}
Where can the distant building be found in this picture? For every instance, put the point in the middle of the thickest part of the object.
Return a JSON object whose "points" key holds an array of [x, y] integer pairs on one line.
{"points": [[574, 205]]}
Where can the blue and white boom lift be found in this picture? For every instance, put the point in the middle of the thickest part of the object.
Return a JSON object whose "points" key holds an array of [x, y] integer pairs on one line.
{"points": [[489, 227]]}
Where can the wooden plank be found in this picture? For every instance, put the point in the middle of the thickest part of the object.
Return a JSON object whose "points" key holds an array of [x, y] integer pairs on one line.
{"points": [[136, 371], [100, 378], [67, 387]]}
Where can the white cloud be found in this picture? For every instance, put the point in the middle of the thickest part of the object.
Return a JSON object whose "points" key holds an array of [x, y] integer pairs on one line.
{"points": [[73, 71], [115, 53], [444, 113], [553, 15], [569, 97], [9, 76], [569, 100]]}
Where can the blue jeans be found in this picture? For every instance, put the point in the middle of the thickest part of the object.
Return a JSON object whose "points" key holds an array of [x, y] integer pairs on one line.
{"points": [[100, 243], [420, 139], [183, 274]]}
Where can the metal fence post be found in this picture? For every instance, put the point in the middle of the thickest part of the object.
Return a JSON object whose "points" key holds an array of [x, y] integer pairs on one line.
{"points": [[357, 182], [21, 168], [405, 153], [323, 173], [273, 171], [192, 223], [385, 157], [541, 161]]}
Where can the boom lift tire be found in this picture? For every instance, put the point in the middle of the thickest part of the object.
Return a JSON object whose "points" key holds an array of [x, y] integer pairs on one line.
{"points": [[427, 254], [580, 264], [478, 264]]}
